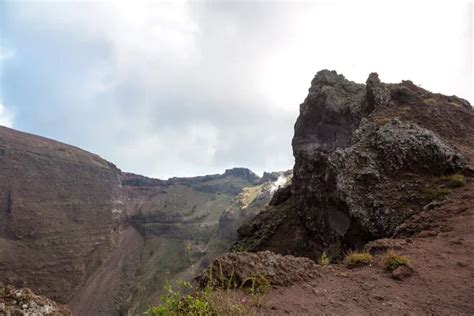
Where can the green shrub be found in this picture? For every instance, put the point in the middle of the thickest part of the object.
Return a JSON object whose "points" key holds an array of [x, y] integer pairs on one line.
{"points": [[357, 259], [238, 248], [257, 288], [176, 303], [233, 300], [392, 260], [324, 259], [455, 180], [431, 194]]}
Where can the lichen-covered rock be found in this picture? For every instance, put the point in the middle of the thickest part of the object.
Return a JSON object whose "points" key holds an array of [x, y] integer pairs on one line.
{"points": [[364, 155], [23, 301], [241, 268]]}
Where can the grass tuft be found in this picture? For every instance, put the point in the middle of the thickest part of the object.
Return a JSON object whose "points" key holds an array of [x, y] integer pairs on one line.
{"points": [[454, 180], [392, 260], [218, 297], [431, 194], [324, 259], [357, 259]]}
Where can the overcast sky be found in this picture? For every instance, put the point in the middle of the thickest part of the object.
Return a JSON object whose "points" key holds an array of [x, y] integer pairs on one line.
{"points": [[194, 88]]}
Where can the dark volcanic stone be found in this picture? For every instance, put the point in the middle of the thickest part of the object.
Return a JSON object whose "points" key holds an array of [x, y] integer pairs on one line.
{"points": [[281, 195], [363, 154]]}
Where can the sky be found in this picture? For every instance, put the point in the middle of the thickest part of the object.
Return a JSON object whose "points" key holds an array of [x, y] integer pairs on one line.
{"points": [[193, 88]]}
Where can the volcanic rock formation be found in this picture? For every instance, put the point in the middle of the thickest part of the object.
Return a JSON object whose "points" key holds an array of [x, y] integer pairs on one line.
{"points": [[368, 158]]}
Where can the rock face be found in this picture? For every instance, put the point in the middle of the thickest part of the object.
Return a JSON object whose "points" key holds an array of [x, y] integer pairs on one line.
{"points": [[23, 301], [59, 213], [364, 157]]}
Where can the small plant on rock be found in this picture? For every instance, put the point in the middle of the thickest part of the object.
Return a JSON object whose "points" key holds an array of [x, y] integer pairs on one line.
{"points": [[324, 259], [238, 248], [391, 260], [455, 180], [357, 259], [220, 296], [257, 289], [175, 303], [431, 194]]}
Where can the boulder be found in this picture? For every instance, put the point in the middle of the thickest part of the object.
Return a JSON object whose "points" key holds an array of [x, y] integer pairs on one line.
{"points": [[240, 269]]}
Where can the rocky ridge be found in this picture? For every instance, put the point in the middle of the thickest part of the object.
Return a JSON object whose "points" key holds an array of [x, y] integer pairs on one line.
{"points": [[366, 157]]}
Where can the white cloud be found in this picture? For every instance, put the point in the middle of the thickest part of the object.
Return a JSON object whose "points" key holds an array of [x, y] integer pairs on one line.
{"points": [[6, 117], [192, 88], [5, 54]]}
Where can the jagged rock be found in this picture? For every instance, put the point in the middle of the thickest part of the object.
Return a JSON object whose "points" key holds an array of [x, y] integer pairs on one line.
{"points": [[239, 269], [376, 92], [23, 301], [247, 204], [281, 195], [363, 156], [243, 173], [269, 176]]}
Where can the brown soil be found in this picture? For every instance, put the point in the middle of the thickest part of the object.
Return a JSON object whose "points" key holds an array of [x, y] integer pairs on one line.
{"points": [[442, 283], [106, 288]]}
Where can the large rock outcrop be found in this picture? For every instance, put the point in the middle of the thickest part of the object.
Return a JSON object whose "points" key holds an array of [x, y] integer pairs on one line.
{"points": [[246, 268], [365, 156]]}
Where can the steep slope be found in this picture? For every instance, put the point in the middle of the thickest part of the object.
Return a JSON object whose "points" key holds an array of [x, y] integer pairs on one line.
{"points": [[368, 159], [76, 229], [58, 216], [187, 222]]}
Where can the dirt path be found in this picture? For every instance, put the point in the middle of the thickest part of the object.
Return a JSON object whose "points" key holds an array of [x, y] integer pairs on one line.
{"points": [[105, 289], [443, 283]]}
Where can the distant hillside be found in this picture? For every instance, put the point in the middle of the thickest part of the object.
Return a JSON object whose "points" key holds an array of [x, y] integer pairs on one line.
{"points": [[75, 228]]}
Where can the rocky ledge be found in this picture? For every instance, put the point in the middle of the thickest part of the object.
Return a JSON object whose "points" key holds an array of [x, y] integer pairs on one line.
{"points": [[23, 301], [241, 269]]}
